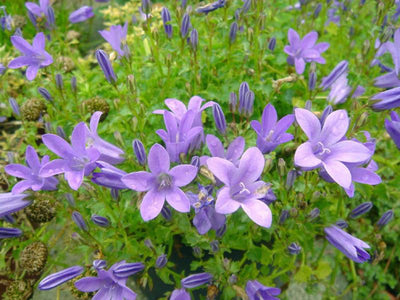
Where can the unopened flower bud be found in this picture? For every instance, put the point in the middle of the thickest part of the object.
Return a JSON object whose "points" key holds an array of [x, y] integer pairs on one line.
{"points": [[185, 25], [294, 248], [79, 221], [214, 246], [272, 44], [60, 132], [60, 277], [233, 32], [317, 10], [232, 279], [99, 264], [127, 269], [233, 102], [361, 209], [341, 224], [219, 118], [312, 81], [73, 84], [283, 217], [314, 213], [6, 233], [194, 39], [14, 106], [161, 261], [45, 94], [281, 167], [196, 280], [220, 231], [139, 151], [59, 81], [166, 213], [291, 177], [100, 221], [386, 218], [106, 66]]}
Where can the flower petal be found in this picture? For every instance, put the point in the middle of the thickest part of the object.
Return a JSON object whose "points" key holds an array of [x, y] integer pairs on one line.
{"points": [[18, 170], [221, 168], [338, 172], [308, 122], [235, 149], [32, 159], [177, 107], [178, 200], [304, 157], [75, 178], [78, 139], [57, 145], [21, 186], [349, 151], [183, 174], [251, 164], [31, 72], [268, 119], [258, 211], [39, 41], [152, 204], [363, 175], [335, 127], [215, 146], [89, 284], [139, 181], [20, 62], [225, 204], [158, 159], [52, 168]]}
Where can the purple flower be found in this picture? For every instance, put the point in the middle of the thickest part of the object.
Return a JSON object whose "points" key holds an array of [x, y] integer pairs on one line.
{"points": [[386, 218], [79, 221], [393, 128], [219, 118], [109, 176], [6, 233], [11, 203], [206, 217], [116, 37], [178, 108], [305, 50], [242, 187], [53, 280], [271, 132], [196, 280], [180, 294], [180, 135], [161, 183], [100, 221], [389, 99], [339, 90], [185, 25], [161, 261], [256, 291], [35, 56], [30, 173], [44, 9], [211, 7], [76, 161], [107, 284], [361, 209], [108, 152], [166, 17], [326, 147], [81, 14], [350, 246]]}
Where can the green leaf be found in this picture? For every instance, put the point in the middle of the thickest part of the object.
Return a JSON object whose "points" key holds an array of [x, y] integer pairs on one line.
{"points": [[323, 270], [303, 274]]}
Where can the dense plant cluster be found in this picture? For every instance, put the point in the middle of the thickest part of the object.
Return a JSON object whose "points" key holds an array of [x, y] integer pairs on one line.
{"points": [[273, 177]]}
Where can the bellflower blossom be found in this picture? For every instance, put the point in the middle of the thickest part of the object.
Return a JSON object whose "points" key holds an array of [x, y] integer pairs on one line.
{"points": [[271, 132], [11, 203], [44, 9], [206, 218], [302, 51], [116, 37], [81, 14], [34, 56], [349, 245], [178, 108], [242, 187], [161, 183], [76, 161], [108, 152], [107, 285], [326, 146], [216, 148], [393, 128], [180, 135], [257, 291], [30, 173]]}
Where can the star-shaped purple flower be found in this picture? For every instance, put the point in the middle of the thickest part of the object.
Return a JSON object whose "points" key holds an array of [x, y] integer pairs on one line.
{"points": [[271, 132], [206, 217], [108, 152], [242, 187], [30, 173], [76, 161], [44, 9], [34, 56], [216, 148], [327, 146], [116, 37], [161, 183], [108, 285], [304, 50]]}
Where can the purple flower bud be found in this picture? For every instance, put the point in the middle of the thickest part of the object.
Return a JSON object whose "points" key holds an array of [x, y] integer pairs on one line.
{"points": [[6, 233], [233, 102], [386, 218], [2, 69], [327, 111], [45, 94], [50, 17], [185, 25], [248, 103], [99, 264], [194, 39], [60, 132], [197, 251], [146, 6], [243, 89], [166, 17], [149, 244], [9, 219], [312, 79], [161, 261], [127, 269], [317, 10], [106, 66], [100, 221], [59, 278], [139, 151], [361, 209], [14, 106], [232, 279], [73, 84], [214, 246], [335, 74], [283, 217], [196, 280], [341, 224], [166, 213], [220, 231], [48, 127], [246, 6], [81, 14], [291, 177], [219, 118], [114, 194], [183, 3], [79, 221], [272, 44], [195, 161], [294, 248], [314, 213], [59, 81], [232, 32]]}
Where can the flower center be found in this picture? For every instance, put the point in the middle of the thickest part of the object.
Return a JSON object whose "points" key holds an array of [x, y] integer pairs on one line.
{"points": [[320, 150], [164, 181], [241, 192], [79, 163], [269, 136]]}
